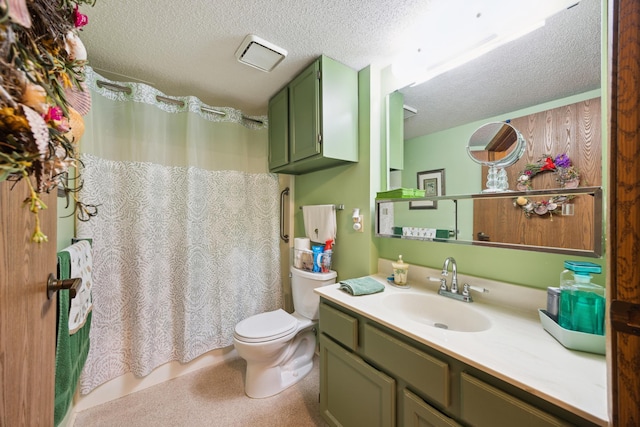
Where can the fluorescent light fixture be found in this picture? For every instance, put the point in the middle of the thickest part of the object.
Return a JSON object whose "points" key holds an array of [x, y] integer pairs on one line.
{"points": [[258, 53], [454, 32]]}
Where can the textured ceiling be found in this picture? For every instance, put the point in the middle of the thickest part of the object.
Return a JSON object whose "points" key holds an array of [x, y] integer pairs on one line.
{"points": [[188, 48]]}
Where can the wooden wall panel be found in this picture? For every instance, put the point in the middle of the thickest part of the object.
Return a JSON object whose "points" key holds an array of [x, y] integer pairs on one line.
{"points": [[574, 130]]}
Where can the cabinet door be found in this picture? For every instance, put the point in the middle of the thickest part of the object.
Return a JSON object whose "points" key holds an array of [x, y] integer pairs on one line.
{"points": [[396, 131], [417, 413], [279, 129], [304, 113], [486, 406], [352, 393]]}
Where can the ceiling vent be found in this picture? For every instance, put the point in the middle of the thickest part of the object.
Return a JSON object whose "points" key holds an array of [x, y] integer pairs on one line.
{"points": [[409, 111], [258, 53]]}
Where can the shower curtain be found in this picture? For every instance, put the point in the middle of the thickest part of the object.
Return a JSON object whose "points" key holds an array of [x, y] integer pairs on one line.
{"points": [[185, 243]]}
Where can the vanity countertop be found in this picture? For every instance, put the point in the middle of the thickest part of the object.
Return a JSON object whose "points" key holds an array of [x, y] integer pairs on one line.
{"points": [[516, 349]]}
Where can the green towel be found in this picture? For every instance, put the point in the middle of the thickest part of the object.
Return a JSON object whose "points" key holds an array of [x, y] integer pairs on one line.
{"points": [[71, 350], [361, 286]]}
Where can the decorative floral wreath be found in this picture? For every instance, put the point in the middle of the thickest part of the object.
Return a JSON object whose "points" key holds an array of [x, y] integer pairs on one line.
{"points": [[567, 175], [42, 97], [551, 206]]}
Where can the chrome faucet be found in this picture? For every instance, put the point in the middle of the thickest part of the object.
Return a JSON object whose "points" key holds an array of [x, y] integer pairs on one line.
{"points": [[445, 273], [464, 294]]}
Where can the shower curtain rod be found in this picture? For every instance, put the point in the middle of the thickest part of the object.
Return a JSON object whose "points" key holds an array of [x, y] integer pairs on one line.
{"points": [[118, 88]]}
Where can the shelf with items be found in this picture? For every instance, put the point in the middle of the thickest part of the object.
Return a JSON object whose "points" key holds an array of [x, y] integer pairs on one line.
{"points": [[509, 219]]}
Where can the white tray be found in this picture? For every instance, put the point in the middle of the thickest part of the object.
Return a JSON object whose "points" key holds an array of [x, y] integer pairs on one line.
{"points": [[574, 340]]}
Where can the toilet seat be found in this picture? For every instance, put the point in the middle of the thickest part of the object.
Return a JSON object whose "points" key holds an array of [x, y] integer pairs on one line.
{"points": [[266, 326]]}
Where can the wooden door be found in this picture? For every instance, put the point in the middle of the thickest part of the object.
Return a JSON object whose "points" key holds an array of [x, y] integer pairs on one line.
{"points": [[623, 219], [27, 317]]}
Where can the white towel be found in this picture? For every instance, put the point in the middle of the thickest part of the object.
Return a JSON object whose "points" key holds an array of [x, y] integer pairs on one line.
{"points": [[320, 222], [81, 264]]}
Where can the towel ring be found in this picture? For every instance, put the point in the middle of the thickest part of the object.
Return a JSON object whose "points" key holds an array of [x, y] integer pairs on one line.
{"points": [[54, 285]]}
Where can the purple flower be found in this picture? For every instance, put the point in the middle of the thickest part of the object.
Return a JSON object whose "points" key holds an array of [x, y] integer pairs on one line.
{"points": [[562, 161]]}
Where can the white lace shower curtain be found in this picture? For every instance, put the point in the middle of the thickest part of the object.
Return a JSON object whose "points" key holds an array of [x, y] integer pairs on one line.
{"points": [[185, 243]]}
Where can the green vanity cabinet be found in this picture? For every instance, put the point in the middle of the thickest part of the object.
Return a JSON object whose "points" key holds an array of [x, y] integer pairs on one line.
{"points": [[371, 375], [352, 393], [315, 119]]}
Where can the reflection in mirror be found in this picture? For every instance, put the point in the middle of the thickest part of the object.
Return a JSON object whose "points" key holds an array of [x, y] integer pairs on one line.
{"points": [[480, 219], [496, 145]]}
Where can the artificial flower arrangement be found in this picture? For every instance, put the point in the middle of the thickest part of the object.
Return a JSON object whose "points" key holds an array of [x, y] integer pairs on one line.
{"points": [[42, 97], [566, 174]]}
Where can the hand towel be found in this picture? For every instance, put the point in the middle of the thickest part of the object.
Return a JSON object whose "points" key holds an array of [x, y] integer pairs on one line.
{"points": [[71, 350], [320, 222], [81, 264], [361, 286]]}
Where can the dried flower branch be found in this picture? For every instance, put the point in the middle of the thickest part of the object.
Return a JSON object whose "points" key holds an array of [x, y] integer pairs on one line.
{"points": [[41, 61]]}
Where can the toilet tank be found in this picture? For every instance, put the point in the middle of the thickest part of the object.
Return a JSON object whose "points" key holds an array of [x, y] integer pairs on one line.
{"points": [[305, 301]]}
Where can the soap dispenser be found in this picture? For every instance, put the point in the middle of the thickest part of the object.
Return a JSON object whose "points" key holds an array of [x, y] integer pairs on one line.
{"points": [[582, 303], [400, 271]]}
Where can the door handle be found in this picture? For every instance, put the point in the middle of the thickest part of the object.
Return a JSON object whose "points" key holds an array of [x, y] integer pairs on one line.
{"points": [[54, 285]]}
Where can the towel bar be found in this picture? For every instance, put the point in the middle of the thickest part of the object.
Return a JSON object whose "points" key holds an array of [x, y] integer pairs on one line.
{"points": [[339, 207], [54, 285]]}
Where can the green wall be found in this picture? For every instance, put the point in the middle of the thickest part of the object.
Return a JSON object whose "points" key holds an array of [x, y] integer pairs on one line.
{"points": [[446, 149], [353, 186], [66, 219]]}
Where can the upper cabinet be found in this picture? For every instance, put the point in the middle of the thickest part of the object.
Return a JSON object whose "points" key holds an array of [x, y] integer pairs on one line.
{"points": [[313, 121]]}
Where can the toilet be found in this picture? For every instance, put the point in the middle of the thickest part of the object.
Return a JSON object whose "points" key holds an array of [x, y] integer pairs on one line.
{"points": [[279, 346]]}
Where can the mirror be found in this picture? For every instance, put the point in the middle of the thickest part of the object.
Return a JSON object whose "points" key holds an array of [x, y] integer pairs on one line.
{"points": [[452, 224], [496, 145], [531, 72]]}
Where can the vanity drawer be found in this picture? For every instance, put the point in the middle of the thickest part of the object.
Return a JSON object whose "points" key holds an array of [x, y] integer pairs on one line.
{"points": [[486, 406], [423, 372], [339, 326]]}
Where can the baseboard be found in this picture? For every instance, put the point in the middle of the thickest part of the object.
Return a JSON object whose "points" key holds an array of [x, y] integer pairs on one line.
{"points": [[129, 383]]}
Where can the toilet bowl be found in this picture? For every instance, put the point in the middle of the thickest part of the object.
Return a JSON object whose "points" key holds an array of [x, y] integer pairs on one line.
{"points": [[277, 346]]}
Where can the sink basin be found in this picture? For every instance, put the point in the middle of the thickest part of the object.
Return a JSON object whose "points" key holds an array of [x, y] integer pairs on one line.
{"points": [[437, 311]]}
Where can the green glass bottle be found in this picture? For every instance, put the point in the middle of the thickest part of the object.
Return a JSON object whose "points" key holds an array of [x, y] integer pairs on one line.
{"points": [[582, 303]]}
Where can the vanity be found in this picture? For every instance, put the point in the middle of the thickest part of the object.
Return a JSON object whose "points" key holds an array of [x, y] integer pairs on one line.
{"points": [[383, 362]]}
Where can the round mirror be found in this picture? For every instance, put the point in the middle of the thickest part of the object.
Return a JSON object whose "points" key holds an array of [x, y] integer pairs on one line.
{"points": [[496, 145]]}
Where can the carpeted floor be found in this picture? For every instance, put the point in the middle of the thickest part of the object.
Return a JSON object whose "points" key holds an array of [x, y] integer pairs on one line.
{"points": [[212, 396]]}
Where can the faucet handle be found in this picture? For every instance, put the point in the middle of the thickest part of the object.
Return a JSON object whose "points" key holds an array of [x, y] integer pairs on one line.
{"points": [[467, 287], [442, 280]]}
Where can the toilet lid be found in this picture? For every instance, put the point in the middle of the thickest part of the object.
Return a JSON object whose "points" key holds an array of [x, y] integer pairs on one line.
{"points": [[266, 326]]}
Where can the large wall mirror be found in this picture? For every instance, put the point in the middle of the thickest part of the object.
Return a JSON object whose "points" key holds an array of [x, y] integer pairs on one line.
{"points": [[529, 72]]}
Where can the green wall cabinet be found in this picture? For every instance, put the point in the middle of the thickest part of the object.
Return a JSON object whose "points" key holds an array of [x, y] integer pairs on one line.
{"points": [[279, 129], [367, 370], [313, 121]]}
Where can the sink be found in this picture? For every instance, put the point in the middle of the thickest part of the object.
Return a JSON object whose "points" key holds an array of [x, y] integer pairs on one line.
{"points": [[437, 311]]}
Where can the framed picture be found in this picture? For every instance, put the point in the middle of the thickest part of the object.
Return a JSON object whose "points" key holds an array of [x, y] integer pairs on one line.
{"points": [[432, 182]]}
